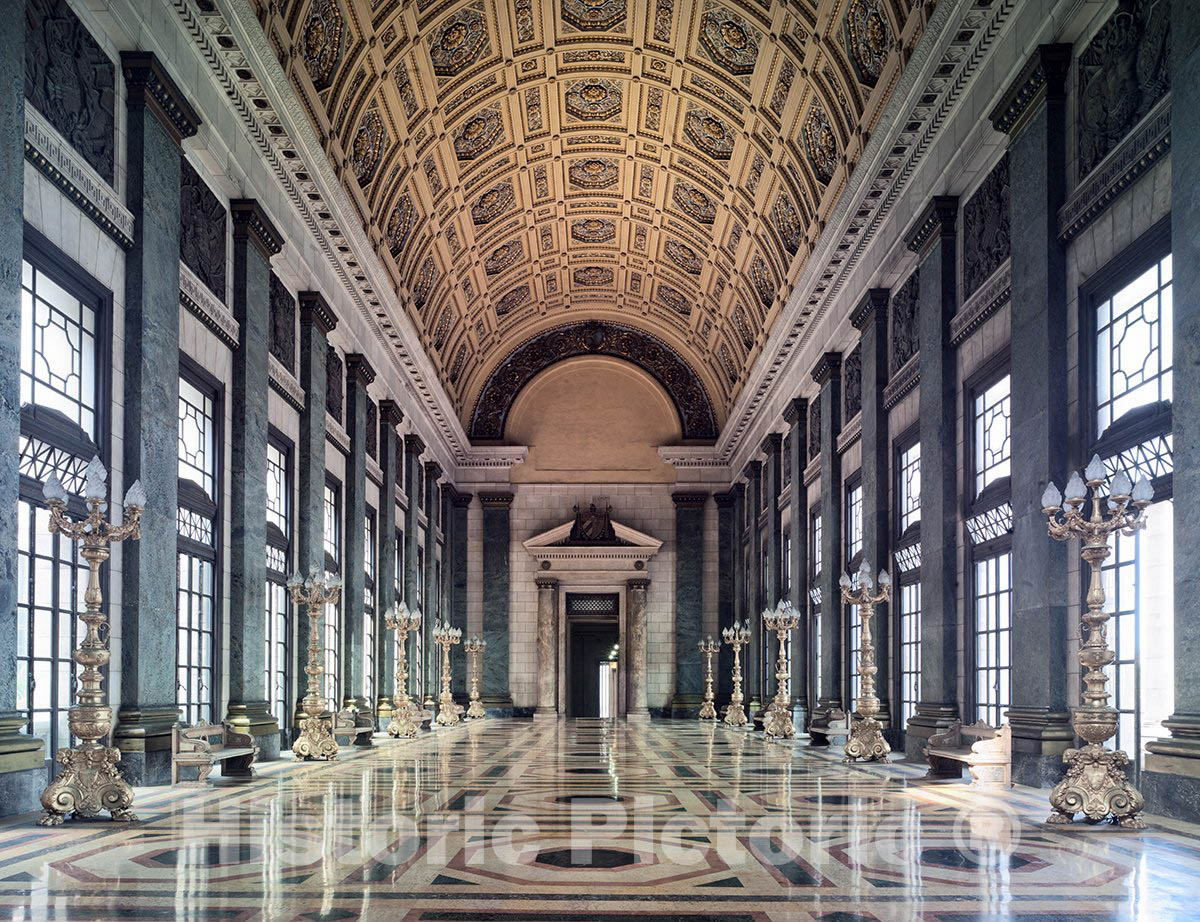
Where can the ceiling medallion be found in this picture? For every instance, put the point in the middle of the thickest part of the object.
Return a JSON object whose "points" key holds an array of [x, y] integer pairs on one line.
{"points": [[367, 146], [503, 256], [819, 142], [711, 135], [694, 202], [868, 37], [512, 299], [399, 224], [493, 203], [594, 99], [593, 173], [321, 41], [787, 223], [592, 276], [458, 43], [593, 15], [593, 230], [478, 133], [683, 256], [674, 299], [730, 41], [760, 276]]}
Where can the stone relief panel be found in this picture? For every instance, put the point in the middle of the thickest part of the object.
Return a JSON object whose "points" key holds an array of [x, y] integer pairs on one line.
{"points": [[335, 383], [814, 429], [283, 324], [1123, 72], [986, 239], [71, 81], [904, 337], [202, 230], [372, 429], [852, 384], [593, 15]]}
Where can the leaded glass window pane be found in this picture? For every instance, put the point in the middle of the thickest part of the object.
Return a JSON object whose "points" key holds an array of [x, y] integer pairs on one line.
{"points": [[855, 647], [993, 637], [368, 626], [993, 447], [278, 608], [854, 521], [194, 638], [333, 536], [278, 488], [910, 486], [1134, 350], [197, 437], [910, 650], [816, 546]]}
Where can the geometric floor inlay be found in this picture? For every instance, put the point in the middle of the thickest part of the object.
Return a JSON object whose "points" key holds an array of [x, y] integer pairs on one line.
{"points": [[591, 822]]}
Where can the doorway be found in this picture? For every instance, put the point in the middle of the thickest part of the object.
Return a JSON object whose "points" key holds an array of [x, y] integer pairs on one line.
{"points": [[594, 649]]}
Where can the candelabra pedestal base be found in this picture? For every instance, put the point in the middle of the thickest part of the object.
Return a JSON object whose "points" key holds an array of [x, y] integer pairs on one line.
{"points": [[406, 721], [866, 741], [1096, 786], [315, 741], [448, 713], [778, 723], [88, 784], [707, 710], [475, 710], [735, 715]]}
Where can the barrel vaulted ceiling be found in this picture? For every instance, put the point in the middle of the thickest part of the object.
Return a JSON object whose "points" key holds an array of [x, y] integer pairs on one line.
{"points": [[525, 167]]}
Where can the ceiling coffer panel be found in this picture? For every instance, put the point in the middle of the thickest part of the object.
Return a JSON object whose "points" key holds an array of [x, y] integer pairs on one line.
{"points": [[662, 166]]}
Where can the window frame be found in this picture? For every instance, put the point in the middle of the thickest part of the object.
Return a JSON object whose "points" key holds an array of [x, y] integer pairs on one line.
{"points": [[284, 541], [999, 491]]}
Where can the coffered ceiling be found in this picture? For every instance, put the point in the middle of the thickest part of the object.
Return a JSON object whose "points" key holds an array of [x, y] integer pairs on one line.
{"points": [[636, 173]]}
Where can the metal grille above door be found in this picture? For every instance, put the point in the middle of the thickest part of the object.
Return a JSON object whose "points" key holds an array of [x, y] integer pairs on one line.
{"points": [[592, 604]]}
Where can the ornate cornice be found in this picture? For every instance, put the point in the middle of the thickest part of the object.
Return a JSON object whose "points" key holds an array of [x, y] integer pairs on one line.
{"points": [[725, 500], [1044, 76], [753, 470], [986, 300], [689, 500], [874, 304], [335, 433], [939, 218], [251, 223], [358, 369], [1140, 150], [147, 83], [315, 310], [545, 582], [285, 384], [495, 500], [493, 457], [413, 444], [828, 367], [460, 500], [638, 582], [206, 307], [903, 381]]}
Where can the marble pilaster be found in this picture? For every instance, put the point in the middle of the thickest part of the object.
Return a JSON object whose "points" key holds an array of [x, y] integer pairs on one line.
{"points": [[1037, 158], [158, 119], [933, 238], [796, 416], [455, 572], [497, 534], [413, 449], [390, 416], [434, 603], [689, 602], [726, 590], [772, 566], [1171, 778], [828, 376], [255, 241], [547, 648], [752, 655], [359, 375], [637, 710], [870, 319]]}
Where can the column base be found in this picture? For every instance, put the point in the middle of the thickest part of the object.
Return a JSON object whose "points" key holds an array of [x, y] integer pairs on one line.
{"points": [[1039, 739], [383, 711], [638, 717], [1170, 779], [22, 767], [255, 718], [686, 707], [930, 718], [497, 705], [543, 714], [143, 734]]}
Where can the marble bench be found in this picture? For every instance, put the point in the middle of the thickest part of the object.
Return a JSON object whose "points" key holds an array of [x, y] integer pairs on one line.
{"points": [[345, 723], [193, 747], [985, 750]]}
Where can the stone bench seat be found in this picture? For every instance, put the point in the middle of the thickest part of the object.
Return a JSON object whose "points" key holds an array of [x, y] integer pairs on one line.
{"points": [[345, 723], [193, 747], [985, 750]]}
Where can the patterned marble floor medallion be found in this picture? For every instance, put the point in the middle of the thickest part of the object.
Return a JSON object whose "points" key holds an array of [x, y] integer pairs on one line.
{"points": [[516, 822]]}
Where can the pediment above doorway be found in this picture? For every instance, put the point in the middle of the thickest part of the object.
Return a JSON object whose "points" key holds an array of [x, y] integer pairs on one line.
{"points": [[592, 541]]}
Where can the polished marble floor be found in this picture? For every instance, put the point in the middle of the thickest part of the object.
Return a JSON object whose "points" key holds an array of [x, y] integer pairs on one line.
{"points": [[591, 822]]}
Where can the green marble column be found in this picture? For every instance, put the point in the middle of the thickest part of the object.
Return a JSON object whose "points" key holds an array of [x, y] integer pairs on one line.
{"points": [[359, 375], [456, 571], [727, 542], [434, 608], [753, 653], [390, 417], [496, 694], [689, 603], [828, 376], [796, 416], [413, 449], [772, 485], [255, 241], [158, 119]]}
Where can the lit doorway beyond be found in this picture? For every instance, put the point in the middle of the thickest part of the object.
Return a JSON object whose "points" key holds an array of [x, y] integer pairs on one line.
{"points": [[591, 677], [608, 687]]}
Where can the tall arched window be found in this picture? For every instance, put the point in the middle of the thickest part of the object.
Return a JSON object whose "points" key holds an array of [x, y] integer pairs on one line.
{"points": [[368, 625], [279, 566], [908, 571], [852, 517], [333, 612], [64, 348], [814, 598]]}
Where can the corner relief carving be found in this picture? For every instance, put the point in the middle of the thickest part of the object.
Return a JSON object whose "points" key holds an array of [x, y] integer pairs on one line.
{"points": [[986, 239], [852, 384], [202, 230], [283, 324], [904, 333]]}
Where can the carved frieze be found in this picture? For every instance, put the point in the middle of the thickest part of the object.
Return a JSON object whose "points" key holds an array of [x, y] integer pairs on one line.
{"points": [[868, 39], [503, 256], [592, 276], [904, 340], [852, 384], [729, 40], [283, 324], [986, 241], [71, 82], [594, 338], [820, 145], [709, 133], [202, 230], [492, 204], [593, 230], [764, 284], [458, 42], [695, 202], [674, 299], [683, 256], [593, 173], [787, 223], [335, 383], [478, 133], [594, 99], [593, 15], [400, 224], [512, 299], [321, 41], [1123, 72]]}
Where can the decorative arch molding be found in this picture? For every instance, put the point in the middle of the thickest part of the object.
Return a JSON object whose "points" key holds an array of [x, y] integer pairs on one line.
{"points": [[593, 337]]}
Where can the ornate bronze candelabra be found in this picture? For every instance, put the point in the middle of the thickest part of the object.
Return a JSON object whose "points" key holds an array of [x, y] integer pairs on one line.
{"points": [[708, 647], [737, 636], [866, 733], [406, 713], [782, 619], [316, 731], [89, 781], [446, 637], [475, 648], [1095, 784]]}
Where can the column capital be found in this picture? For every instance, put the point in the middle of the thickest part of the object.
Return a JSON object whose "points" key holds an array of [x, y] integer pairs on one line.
{"points": [[873, 305], [773, 443], [1044, 76], [433, 471], [725, 500], [460, 500], [796, 411], [390, 413], [940, 218], [251, 223], [147, 83], [545, 582], [315, 311], [638, 582], [495, 500], [738, 490], [685, 499], [753, 469], [828, 367], [413, 444], [358, 369]]}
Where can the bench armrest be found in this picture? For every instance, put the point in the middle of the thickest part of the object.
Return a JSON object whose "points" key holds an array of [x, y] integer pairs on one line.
{"points": [[950, 738]]}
